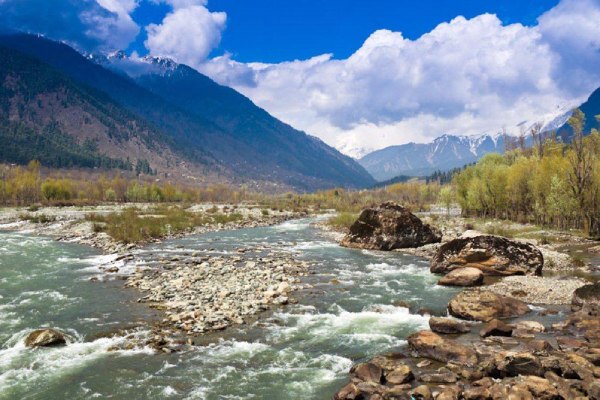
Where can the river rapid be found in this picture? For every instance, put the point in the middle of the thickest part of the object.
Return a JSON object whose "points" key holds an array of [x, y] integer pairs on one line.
{"points": [[354, 310]]}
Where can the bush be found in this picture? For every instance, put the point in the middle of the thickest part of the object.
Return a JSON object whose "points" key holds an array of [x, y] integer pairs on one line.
{"points": [[342, 221]]}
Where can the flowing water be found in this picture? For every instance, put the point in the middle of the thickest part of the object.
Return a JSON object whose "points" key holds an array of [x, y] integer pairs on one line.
{"points": [[353, 311]]}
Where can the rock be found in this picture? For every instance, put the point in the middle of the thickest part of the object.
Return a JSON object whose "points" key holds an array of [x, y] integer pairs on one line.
{"points": [[477, 393], [514, 364], [348, 392], [530, 326], [447, 325], [449, 393], [388, 227], [444, 376], [493, 255], [45, 338], [539, 345], [367, 372], [422, 393], [485, 306], [430, 345], [400, 375], [586, 296], [496, 328], [462, 277]]}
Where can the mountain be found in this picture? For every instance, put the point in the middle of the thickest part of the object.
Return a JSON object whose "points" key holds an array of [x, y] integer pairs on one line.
{"points": [[211, 129], [422, 159], [591, 108], [45, 115]]}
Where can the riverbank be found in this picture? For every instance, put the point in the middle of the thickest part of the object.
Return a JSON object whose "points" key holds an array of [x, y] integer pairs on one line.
{"points": [[532, 354], [199, 293]]}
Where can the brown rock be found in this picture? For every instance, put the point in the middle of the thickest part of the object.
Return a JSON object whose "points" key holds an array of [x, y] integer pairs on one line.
{"points": [[485, 306], [515, 364], [493, 255], [447, 325], [400, 375], [462, 277], [422, 393], [496, 328], [449, 393], [367, 372], [430, 345], [477, 393], [348, 392], [441, 376], [388, 227], [45, 338], [586, 296], [539, 345]]}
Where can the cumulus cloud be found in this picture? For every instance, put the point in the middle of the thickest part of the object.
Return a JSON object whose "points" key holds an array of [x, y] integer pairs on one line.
{"points": [[467, 76], [86, 24], [187, 34]]}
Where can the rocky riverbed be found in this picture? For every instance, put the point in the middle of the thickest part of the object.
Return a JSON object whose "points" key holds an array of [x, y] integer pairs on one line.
{"points": [[203, 293]]}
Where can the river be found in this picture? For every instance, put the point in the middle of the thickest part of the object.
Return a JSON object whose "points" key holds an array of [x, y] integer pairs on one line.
{"points": [[353, 311]]}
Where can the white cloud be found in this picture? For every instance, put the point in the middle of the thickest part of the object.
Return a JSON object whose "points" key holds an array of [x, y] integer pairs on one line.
{"points": [[187, 34], [467, 76], [86, 24]]}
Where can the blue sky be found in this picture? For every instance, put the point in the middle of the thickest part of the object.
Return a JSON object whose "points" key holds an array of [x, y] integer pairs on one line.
{"points": [[358, 74], [275, 30]]}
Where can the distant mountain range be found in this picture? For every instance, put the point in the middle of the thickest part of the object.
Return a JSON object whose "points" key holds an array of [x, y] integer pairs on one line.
{"points": [[452, 151], [67, 109]]}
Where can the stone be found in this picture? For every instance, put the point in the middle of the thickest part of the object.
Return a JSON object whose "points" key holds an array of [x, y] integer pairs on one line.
{"points": [[399, 375], [496, 328], [422, 392], [430, 345], [493, 255], [477, 393], [444, 377], [586, 296], [449, 393], [515, 364], [530, 326], [45, 338], [484, 306], [388, 227], [447, 325], [367, 372], [348, 392], [462, 277]]}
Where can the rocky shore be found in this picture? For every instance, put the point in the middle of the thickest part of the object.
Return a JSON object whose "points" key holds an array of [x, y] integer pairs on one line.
{"points": [[512, 357], [519, 360]]}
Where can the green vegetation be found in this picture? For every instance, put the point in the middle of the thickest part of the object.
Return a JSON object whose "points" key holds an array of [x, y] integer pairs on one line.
{"points": [[552, 184], [342, 221], [134, 225], [38, 219]]}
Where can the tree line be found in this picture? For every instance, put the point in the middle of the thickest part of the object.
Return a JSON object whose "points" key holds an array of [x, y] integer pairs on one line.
{"points": [[551, 183]]}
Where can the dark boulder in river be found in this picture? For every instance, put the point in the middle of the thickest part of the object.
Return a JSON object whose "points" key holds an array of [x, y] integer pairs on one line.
{"points": [[45, 338], [388, 227], [493, 255], [588, 295]]}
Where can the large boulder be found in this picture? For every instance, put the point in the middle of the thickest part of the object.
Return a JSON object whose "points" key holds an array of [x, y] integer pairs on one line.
{"points": [[388, 227], [476, 305], [586, 296], [45, 338], [431, 345], [462, 277], [493, 255]]}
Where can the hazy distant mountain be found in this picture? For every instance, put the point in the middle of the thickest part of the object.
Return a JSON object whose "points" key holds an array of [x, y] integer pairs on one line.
{"points": [[591, 108], [210, 128], [421, 159]]}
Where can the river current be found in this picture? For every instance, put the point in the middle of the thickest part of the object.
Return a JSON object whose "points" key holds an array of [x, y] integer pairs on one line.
{"points": [[355, 309]]}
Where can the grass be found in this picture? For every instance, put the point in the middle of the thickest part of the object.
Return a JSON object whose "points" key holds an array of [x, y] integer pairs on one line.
{"points": [[37, 219], [132, 225], [342, 221]]}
